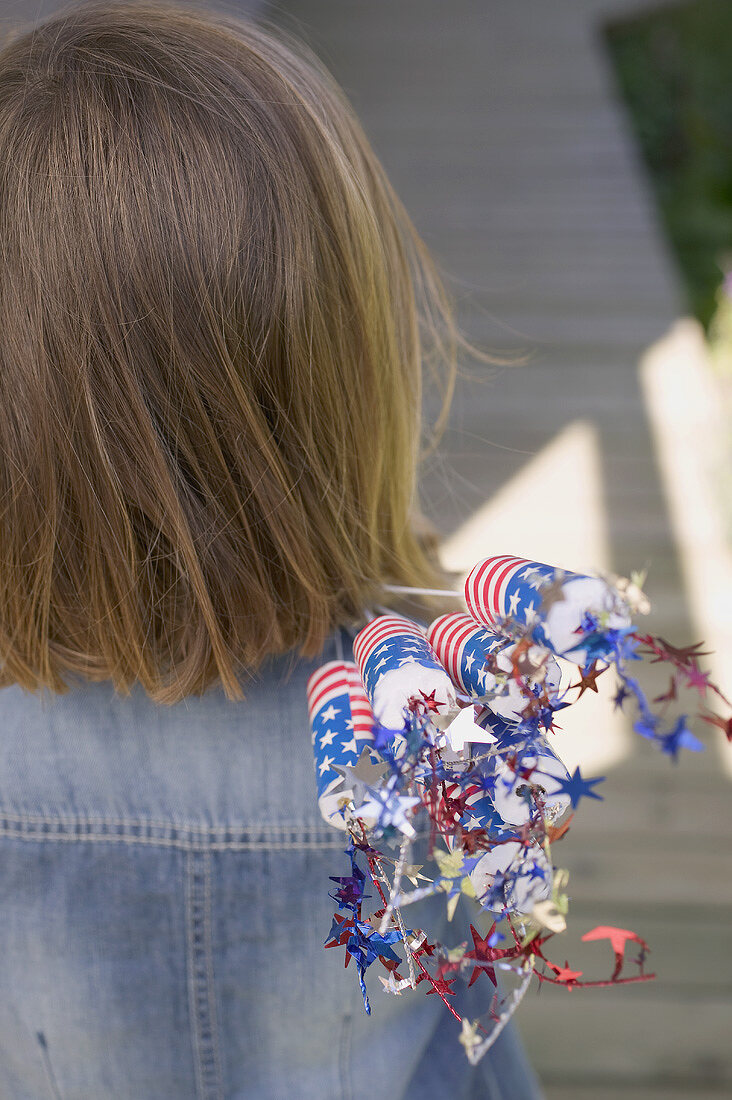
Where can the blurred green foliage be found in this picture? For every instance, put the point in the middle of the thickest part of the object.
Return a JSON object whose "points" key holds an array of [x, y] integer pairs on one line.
{"points": [[673, 66]]}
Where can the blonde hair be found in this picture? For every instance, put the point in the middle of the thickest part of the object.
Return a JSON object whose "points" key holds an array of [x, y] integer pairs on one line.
{"points": [[214, 316]]}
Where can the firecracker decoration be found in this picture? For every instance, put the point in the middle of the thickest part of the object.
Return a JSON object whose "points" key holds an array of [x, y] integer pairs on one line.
{"points": [[444, 730]]}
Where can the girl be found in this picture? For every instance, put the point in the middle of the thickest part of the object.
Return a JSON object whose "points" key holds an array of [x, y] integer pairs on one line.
{"points": [[214, 316]]}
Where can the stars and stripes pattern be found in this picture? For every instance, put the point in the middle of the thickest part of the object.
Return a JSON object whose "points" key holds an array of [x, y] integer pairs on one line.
{"points": [[503, 729], [341, 720], [361, 712], [480, 813], [537, 750], [388, 642], [506, 587], [462, 644]]}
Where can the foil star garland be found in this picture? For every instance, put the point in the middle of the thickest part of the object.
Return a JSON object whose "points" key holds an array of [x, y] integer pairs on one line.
{"points": [[470, 767]]}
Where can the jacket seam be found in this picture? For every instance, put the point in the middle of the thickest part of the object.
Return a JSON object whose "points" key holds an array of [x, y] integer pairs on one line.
{"points": [[208, 934], [273, 826], [170, 835], [201, 976], [166, 842], [192, 1014]]}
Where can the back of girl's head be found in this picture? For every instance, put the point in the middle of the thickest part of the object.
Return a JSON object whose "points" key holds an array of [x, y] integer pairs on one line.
{"points": [[213, 311]]}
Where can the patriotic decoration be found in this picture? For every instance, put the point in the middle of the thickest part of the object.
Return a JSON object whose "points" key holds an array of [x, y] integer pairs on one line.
{"points": [[483, 785], [341, 725], [515, 760], [464, 647], [395, 661], [514, 588]]}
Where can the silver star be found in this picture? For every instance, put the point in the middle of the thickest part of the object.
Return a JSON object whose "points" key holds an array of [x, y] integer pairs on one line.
{"points": [[411, 871], [469, 1035], [387, 807], [364, 773], [391, 985]]}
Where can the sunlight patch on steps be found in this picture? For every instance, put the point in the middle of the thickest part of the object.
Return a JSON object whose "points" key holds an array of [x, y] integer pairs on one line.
{"points": [[689, 430]]}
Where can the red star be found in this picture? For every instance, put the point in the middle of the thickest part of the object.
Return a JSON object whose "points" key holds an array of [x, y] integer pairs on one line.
{"points": [[670, 694], [438, 986], [454, 808], [697, 679], [473, 840], [482, 952], [587, 679], [523, 773], [429, 701], [664, 651], [684, 654], [618, 938], [724, 725], [447, 967], [345, 933], [565, 974]]}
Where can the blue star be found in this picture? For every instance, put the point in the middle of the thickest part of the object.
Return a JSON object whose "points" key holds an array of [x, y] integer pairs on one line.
{"points": [[351, 892], [485, 781], [577, 787], [589, 623], [528, 729], [680, 737], [383, 742], [595, 644], [496, 894], [389, 807], [358, 946], [620, 696], [625, 646], [336, 930], [646, 726], [536, 872], [372, 946]]}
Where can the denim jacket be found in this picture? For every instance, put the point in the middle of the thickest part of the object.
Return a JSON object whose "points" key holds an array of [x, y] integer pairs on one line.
{"points": [[164, 878]]}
